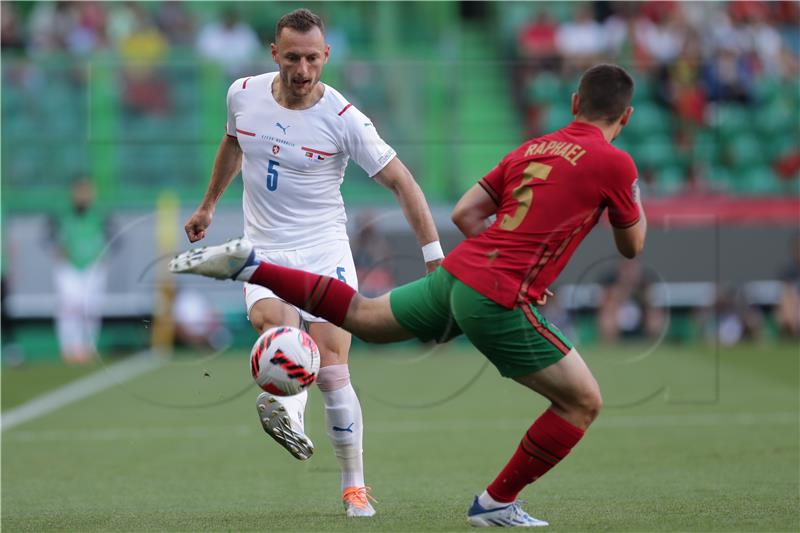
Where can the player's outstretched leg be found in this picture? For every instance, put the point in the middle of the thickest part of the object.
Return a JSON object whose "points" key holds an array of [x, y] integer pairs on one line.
{"points": [[223, 261], [370, 319]]}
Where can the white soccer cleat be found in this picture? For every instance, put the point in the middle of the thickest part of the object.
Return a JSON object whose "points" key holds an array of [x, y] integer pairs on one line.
{"points": [[224, 261], [356, 502], [511, 515], [284, 425]]}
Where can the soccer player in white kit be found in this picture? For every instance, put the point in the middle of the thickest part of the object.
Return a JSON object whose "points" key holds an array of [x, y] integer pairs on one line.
{"points": [[292, 137]]}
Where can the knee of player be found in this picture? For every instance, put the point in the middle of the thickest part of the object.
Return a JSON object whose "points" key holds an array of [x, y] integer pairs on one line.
{"points": [[259, 321], [590, 402], [333, 377]]}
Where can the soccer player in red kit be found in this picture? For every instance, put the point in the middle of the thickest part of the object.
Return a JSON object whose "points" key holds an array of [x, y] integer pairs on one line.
{"points": [[547, 195]]}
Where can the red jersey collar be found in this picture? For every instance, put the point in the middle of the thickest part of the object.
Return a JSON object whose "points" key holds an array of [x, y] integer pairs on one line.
{"points": [[587, 128]]}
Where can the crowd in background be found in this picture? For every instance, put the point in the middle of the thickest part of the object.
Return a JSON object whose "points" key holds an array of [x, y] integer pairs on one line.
{"points": [[695, 60], [725, 48], [130, 28], [692, 60], [697, 52]]}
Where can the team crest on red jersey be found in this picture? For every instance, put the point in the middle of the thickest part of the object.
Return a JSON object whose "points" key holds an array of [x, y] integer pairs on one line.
{"points": [[276, 149]]}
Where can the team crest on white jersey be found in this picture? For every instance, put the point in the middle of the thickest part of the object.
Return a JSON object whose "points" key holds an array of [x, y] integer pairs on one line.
{"points": [[276, 149]]}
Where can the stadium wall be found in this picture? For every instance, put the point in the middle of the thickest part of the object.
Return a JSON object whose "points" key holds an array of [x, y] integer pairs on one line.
{"points": [[717, 251]]}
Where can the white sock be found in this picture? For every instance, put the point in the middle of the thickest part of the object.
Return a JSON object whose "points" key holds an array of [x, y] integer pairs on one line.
{"points": [[247, 272], [295, 404], [487, 502], [345, 430]]}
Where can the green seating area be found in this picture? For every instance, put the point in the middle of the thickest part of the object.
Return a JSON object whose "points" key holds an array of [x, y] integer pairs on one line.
{"points": [[442, 98]]}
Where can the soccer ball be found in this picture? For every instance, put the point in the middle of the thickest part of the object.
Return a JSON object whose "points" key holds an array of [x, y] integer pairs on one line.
{"points": [[284, 361]]}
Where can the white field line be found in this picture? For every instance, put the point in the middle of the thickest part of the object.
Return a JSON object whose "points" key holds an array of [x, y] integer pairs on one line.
{"points": [[248, 430], [84, 387]]}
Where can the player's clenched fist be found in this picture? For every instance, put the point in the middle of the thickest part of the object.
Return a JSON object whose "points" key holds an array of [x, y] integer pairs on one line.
{"points": [[197, 224]]}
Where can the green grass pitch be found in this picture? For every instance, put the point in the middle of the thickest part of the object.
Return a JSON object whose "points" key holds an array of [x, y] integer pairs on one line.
{"points": [[691, 439]]}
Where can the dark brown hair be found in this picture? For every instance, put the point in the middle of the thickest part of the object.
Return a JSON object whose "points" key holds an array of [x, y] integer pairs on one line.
{"points": [[604, 93], [301, 20]]}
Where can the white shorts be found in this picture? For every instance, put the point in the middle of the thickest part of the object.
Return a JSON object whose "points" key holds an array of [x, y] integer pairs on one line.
{"points": [[333, 259]]}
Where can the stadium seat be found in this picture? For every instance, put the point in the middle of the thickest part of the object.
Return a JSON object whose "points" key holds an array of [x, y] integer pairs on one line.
{"points": [[767, 90], [730, 119], [756, 180], [557, 116], [649, 118], [779, 144], [744, 150], [654, 152], [705, 148], [643, 91], [670, 179], [721, 177], [545, 88], [776, 118]]}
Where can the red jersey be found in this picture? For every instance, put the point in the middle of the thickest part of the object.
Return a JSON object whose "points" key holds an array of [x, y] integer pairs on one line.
{"points": [[550, 193]]}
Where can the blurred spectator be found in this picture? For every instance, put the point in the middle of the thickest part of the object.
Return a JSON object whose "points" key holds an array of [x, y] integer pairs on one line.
{"points": [[144, 44], [696, 183], [767, 43], [229, 42], [625, 308], [617, 27], [176, 23], [89, 31], [734, 320], [787, 312], [12, 352], [679, 87], [11, 37], [49, 26], [372, 256], [75, 27], [79, 236], [787, 165], [536, 42], [580, 41], [144, 48], [728, 76], [661, 34], [121, 20], [197, 322]]}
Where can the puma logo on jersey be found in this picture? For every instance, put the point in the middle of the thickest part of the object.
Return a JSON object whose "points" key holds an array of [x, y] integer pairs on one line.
{"points": [[284, 128]]}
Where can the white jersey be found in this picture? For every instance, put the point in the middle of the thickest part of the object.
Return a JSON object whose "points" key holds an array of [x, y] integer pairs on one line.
{"points": [[294, 163]]}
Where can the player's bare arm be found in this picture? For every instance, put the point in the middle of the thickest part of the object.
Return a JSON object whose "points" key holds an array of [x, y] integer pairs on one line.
{"points": [[630, 241], [471, 213], [227, 164], [398, 179]]}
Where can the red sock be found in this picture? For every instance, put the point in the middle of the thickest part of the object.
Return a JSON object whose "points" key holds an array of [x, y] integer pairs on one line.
{"points": [[321, 296], [547, 441]]}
